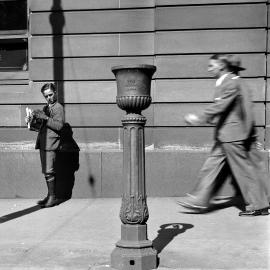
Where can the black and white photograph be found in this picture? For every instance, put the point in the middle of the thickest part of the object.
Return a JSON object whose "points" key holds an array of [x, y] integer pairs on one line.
{"points": [[134, 134]]}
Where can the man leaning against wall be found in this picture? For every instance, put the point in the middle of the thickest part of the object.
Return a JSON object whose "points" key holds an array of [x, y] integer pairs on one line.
{"points": [[48, 122]]}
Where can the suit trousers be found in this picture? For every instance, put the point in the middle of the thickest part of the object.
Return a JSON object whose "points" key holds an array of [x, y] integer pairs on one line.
{"points": [[238, 160], [48, 159], [260, 168]]}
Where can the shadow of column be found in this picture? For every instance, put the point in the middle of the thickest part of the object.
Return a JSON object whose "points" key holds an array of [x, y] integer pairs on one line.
{"points": [[167, 233]]}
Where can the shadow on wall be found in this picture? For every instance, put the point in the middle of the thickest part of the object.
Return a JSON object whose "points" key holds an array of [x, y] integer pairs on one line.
{"points": [[67, 163], [57, 21], [67, 159], [91, 181]]}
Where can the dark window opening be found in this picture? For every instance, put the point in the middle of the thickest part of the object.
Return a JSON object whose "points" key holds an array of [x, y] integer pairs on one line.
{"points": [[13, 35], [13, 14], [13, 54]]}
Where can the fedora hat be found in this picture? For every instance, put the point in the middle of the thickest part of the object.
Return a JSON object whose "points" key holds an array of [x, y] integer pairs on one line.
{"points": [[234, 61]]}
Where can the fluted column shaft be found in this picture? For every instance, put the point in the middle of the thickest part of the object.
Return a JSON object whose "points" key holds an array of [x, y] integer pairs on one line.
{"points": [[134, 208]]}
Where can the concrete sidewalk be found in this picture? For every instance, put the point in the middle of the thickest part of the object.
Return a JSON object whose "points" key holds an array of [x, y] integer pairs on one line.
{"points": [[81, 234]]}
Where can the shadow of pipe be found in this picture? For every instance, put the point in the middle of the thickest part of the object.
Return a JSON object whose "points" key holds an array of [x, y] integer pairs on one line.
{"points": [[20, 213]]}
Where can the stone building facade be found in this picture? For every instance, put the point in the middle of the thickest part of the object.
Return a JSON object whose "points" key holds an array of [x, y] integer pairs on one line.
{"points": [[75, 44]]}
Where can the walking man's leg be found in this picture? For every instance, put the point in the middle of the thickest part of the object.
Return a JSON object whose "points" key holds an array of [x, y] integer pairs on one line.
{"points": [[245, 175], [261, 171], [211, 177]]}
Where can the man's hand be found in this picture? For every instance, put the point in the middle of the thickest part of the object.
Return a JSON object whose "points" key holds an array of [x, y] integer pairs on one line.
{"points": [[28, 119], [192, 119], [40, 114]]}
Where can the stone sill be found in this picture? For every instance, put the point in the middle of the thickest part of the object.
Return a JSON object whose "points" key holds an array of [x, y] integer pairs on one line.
{"points": [[26, 146]]}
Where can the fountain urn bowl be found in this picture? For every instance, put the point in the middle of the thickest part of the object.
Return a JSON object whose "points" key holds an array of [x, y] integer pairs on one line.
{"points": [[133, 87]]}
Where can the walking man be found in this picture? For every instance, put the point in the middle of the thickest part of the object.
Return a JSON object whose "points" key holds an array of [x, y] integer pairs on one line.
{"points": [[235, 136]]}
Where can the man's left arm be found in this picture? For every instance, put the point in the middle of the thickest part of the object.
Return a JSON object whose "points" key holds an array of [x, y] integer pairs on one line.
{"points": [[57, 119]]}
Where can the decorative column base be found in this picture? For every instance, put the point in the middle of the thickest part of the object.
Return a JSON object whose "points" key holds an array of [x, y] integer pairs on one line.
{"points": [[134, 251]]}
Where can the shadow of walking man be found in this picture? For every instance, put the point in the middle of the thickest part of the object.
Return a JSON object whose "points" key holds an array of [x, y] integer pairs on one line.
{"points": [[167, 232]]}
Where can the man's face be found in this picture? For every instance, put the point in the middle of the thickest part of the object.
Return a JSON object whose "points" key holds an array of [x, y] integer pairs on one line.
{"points": [[50, 96], [215, 67]]}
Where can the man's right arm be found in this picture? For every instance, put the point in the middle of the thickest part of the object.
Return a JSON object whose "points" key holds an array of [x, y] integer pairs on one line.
{"points": [[221, 103]]}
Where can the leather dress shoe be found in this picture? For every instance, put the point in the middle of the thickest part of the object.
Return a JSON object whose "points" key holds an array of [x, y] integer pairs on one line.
{"points": [[191, 205], [252, 213], [52, 201], [43, 201]]}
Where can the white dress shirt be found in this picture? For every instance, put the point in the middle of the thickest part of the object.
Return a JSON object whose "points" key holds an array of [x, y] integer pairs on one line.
{"points": [[221, 79]]}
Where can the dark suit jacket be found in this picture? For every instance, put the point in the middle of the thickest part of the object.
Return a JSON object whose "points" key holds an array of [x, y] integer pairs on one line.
{"points": [[49, 134], [231, 110]]}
